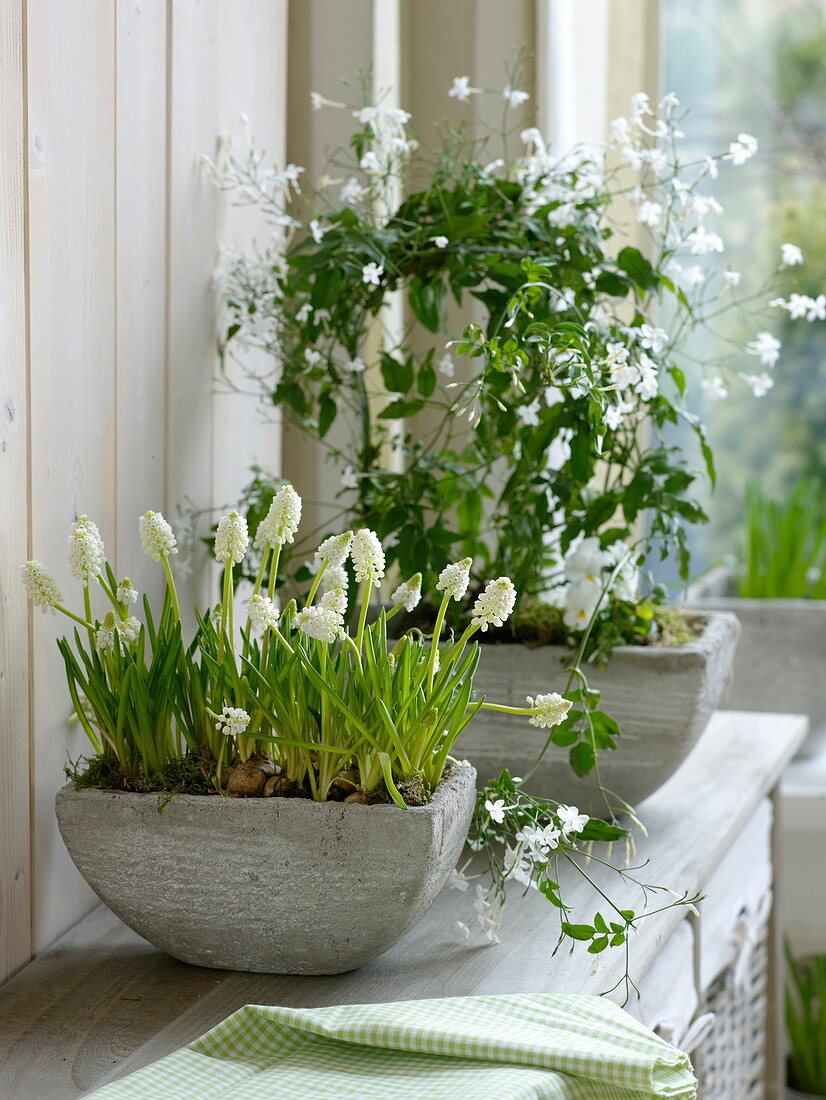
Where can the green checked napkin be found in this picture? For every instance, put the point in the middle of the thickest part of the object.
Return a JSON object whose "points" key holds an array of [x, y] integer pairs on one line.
{"points": [[514, 1047]]}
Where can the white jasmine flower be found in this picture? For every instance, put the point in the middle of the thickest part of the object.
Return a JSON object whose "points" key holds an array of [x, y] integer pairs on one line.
{"points": [[322, 623], [766, 347], [496, 810], [669, 101], [397, 116], [797, 306], [371, 274], [528, 415], [304, 313], [742, 150], [446, 366], [620, 131], [355, 366], [703, 206], [40, 585], [515, 97], [370, 162], [312, 357], [441, 242], [157, 538], [351, 192], [702, 241], [647, 386], [817, 308], [760, 383], [409, 592], [366, 115], [517, 866], [550, 708], [790, 255], [454, 579], [368, 557], [640, 105], [581, 602], [231, 538], [233, 721], [732, 277], [317, 101], [615, 414], [458, 881], [316, 231], [263, 612], [126, 592], [711, 167], [650, 214], [460, 89], [463, 928], [495, 604], [714, 388], [281, 521], [655, 339], [335, 579], [571, 820], [85, 550], [335, 550]]}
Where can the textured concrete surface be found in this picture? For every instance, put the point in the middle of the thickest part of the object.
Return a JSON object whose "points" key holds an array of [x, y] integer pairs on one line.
{"points": [[781, 660], [276, 885], [662, 699]]}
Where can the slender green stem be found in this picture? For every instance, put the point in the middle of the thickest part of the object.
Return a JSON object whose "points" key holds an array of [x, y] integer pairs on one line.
{"points": [[170, 584], [315, 584], [276, 557], [437, 633], [365, 603], [83, 622], [87, 607]]}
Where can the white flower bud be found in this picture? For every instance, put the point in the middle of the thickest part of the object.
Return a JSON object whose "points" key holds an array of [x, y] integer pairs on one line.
{"points": [[85, 549], [263, 612], [126, 592], [368, 557], [40, 585], [495, 604], [335, 550], [231, 538], [281, 521], [550, 709], [409, 592], [157, 538], [233, 721], [128, 631], [454, 579]]}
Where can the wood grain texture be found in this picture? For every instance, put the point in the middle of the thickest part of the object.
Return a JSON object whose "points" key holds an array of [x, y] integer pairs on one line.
{"points": [[692, 822], [15, 916], [71, 165]]}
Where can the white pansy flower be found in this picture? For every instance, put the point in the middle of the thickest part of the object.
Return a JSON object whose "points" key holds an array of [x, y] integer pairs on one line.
{"points": [[126, 592], [233, 721], [495, 604], [581, 601], [571, 820], [263, 612], [231, 538], [454, 579], [335, 550], [766, 347], [371, 274], [742, 150], [367, 555], [760, 383], [157, 538], [551, 709], [714, 388], [496, 810], [322, 623], [409, 592], [514, 96], [281, 521], [335, 578], [40, 585], [85, 550], [460, 89], [790, 255], [587, 561], [446, 366]]}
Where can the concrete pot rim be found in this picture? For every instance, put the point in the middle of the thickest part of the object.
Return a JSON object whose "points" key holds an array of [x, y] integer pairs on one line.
{"points": [[718, 626], [461, 776]]}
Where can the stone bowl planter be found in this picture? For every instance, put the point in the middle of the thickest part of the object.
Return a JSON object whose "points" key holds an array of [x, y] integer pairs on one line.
{"points": [[781, 658], [271, 885], [662, 698]]}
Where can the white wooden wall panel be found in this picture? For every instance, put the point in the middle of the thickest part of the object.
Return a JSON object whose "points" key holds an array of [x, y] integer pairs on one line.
{"points": [[15, 891], [71, 165]]}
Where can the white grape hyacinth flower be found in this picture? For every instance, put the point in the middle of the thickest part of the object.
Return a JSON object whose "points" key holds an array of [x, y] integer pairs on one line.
{"points": [[455, 578], [281, 521], [126, 592], [85, 550], [128, 631], [157, 538], [335, 579], [495, 604], [319, 622], [408, 593], [233, 721], [231, 538], [368, 557], [263, 612], [335, 600], [550, 708], [335, 550], [40, 585]]}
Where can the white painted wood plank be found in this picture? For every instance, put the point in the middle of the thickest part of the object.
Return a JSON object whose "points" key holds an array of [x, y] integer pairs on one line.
{"points": [[140, 198], [71, 101], [15, 901]]}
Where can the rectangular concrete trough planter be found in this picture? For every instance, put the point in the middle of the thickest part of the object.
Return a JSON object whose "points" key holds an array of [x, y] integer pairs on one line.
{"points": [[662, 698], [272, 885], [781, 660]]}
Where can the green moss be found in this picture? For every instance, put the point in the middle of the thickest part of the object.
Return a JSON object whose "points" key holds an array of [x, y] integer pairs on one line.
{"points": [[191, 774], [675, 626]]}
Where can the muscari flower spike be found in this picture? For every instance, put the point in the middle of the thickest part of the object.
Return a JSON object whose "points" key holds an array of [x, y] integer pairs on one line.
{"points": [[551, 709], [157, 538], [281, 521], [409, 592], [368, 557], [85, 550], [40, 585], [454, 579], [495, 604], [231, 538]]}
